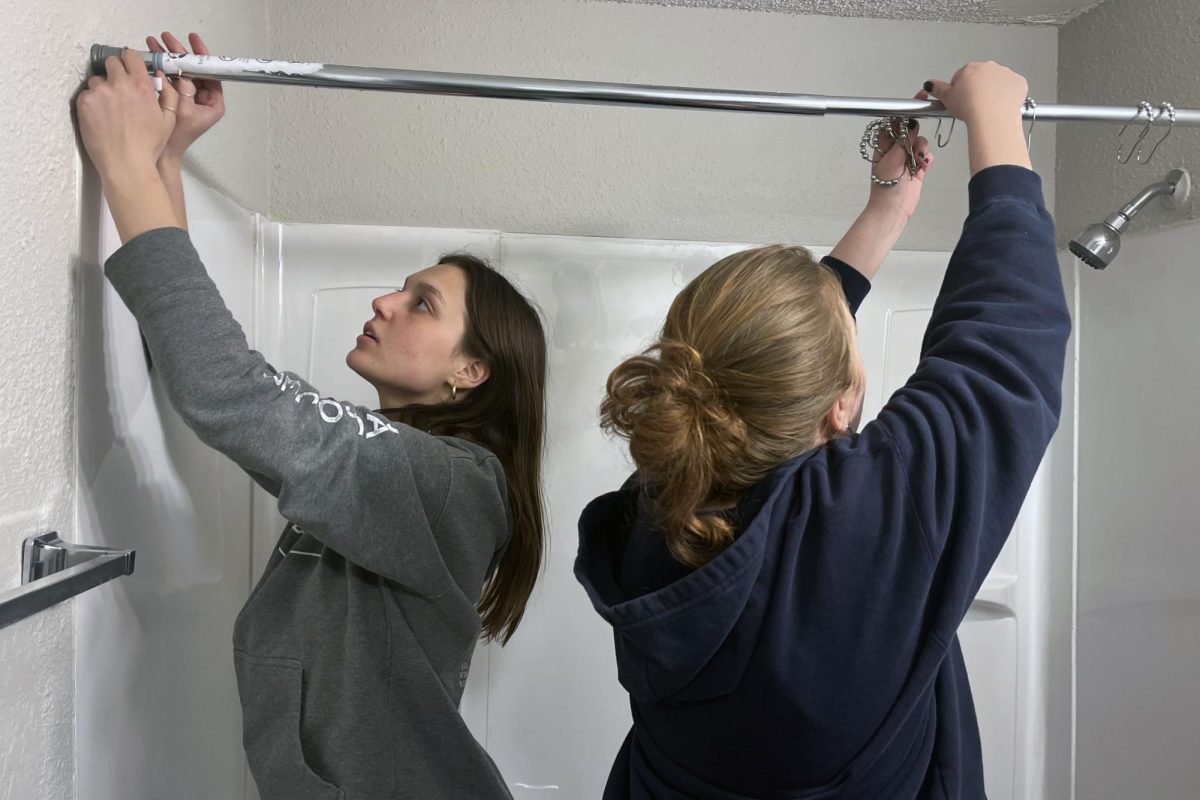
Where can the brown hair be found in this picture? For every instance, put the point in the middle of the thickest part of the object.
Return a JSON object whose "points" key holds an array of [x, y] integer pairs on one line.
{"points": [[506, 415], [754, 353]]}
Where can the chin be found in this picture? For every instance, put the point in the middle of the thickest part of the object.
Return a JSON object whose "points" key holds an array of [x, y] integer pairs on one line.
{"points": [[350, 362]]}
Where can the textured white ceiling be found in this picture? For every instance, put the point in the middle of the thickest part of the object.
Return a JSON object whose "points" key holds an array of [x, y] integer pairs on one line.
{"points": [[1021, 12]]}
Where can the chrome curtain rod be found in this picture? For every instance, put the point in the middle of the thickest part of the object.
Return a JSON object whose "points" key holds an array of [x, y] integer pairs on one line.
{"points": [[254, 70]]}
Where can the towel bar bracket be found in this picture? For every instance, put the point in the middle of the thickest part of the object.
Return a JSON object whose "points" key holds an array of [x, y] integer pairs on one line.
{"points": [[53, 570]]}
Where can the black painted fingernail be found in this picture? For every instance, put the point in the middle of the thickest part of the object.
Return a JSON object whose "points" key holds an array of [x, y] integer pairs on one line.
{"points": [[929, 86], [912, 123]]}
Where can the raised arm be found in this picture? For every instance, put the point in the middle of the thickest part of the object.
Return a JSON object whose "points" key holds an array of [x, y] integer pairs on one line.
{"points": [[372, 490], [201, 105], [862, 249], [972, 424], [873, 235]]}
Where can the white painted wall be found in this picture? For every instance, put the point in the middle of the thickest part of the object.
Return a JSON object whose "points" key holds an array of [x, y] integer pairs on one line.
{"points": [[157, 712], [1138, 571], [1139, 541], [395, 159], [49, 249]]}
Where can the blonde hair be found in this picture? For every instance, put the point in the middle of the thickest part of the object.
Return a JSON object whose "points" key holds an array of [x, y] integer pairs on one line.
{"points": [[753, 355]]}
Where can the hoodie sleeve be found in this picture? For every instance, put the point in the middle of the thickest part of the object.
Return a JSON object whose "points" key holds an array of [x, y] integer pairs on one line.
{"points": [[972, 424], [368, 488], [854, 283]]}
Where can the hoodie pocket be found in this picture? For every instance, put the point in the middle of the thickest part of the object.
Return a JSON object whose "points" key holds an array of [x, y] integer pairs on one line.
{"points": [[271, 694]]}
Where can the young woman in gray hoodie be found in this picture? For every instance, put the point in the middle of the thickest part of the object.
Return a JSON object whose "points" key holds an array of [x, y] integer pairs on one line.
{"points": [[412, 529]]}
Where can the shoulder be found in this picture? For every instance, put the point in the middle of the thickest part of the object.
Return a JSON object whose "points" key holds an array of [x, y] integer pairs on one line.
{"points": [[853, 465], [476, 475], [858, 475], [464, 449]]}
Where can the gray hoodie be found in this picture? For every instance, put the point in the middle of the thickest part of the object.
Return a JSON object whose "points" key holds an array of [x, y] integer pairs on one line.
{"points": [[352, 652]]}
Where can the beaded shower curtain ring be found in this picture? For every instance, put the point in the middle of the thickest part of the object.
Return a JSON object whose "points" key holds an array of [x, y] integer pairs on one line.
{"points": [[870, 143]]}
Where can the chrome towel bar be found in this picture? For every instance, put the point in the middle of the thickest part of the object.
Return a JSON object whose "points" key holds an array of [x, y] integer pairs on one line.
{"points": [[53, 570]]}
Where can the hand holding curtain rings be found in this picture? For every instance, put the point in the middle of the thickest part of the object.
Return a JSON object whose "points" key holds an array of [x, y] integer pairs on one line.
{"points": [[898, 172]]}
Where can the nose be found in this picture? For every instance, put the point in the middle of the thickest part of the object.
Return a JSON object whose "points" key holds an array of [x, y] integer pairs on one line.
{"points": [[380, 306]]}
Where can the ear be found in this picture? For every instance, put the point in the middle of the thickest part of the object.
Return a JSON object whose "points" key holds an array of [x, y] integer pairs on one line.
{"points": [[472, 373], [838, 418]]}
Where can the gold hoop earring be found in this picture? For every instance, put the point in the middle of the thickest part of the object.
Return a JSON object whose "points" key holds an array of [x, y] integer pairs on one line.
{"points": [[453, 392]]}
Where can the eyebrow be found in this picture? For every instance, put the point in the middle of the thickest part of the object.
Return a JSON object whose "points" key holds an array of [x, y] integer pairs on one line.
{"points": [[427, 288]]}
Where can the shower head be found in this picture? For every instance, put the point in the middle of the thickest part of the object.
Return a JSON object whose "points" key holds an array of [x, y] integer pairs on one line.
{"points": [[1099, 243]]}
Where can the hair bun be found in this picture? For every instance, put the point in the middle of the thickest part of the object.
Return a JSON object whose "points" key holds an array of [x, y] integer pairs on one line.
{"points": [[687, 399], [754, 352], [684, 373]]}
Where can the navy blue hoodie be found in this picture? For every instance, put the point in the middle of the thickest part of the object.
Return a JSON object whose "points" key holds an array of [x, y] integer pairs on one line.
{"points": [[817, 656]]}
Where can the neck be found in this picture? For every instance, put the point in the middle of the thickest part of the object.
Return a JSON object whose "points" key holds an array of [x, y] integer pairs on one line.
{"points": [[390, 397]]}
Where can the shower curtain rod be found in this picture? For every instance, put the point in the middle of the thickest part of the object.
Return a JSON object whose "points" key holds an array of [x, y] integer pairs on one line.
{"points": [[336, 76]]}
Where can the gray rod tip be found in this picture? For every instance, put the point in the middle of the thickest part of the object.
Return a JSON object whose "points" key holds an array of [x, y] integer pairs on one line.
{"points": [[101, 52]]}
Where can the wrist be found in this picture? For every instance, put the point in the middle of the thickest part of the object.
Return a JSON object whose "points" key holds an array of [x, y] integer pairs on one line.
{"points": [[170, 162], [999, 141], [871, 238], [885, 215], [992, 118], [138, 200], [129, 176], [996, 131]]}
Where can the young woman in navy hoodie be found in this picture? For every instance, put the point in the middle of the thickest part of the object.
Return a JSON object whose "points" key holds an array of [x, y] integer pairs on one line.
{"points": [[784, 591]]}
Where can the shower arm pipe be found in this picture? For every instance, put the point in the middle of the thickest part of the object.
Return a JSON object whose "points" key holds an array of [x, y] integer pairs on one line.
{"points": [[1145, 196], [1118, 219], [337, 76]]}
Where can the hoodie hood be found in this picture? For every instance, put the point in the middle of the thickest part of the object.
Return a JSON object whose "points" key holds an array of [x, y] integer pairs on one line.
{"points": [[691, 639]]}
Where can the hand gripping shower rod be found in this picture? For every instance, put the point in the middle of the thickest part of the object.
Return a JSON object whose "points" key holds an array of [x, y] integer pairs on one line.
{"points": [[336, 76]]}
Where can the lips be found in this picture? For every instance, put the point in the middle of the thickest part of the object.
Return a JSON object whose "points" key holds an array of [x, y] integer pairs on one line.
{"points": [[369, 332]]}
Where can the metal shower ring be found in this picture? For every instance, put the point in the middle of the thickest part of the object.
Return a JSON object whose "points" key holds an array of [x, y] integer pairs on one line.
{"points": [[1169, 110], [1030, 105], [1143, 108]]}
